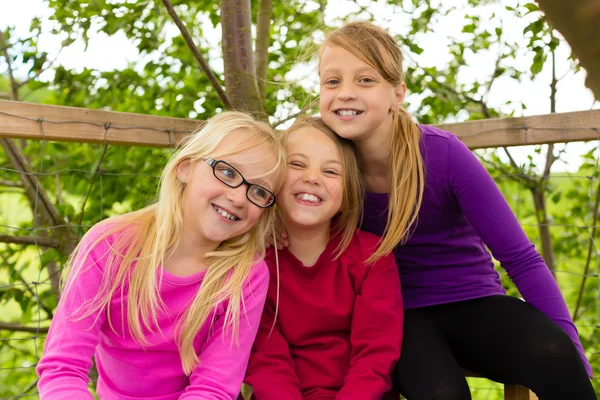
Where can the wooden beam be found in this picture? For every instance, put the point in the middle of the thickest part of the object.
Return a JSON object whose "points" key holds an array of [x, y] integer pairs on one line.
{"points": [[22, 120], [70, 124], [538, 129]]}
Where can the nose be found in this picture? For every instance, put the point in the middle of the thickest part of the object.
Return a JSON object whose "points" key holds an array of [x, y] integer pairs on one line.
{"points": [[237, 196], [346, 93], [311, 176]]}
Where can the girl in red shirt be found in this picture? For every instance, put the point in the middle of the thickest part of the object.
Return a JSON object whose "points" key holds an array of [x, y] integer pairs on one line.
{"points": [[332, 324]]}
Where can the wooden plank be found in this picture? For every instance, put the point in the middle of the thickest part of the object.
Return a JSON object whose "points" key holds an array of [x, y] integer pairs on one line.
{"points": [[511, 392], [538, 129], [21, 120], [516, 392], [71, 124]]}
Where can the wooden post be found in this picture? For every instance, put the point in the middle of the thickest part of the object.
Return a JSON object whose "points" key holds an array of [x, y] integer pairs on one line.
{"points": [[516, 392]]}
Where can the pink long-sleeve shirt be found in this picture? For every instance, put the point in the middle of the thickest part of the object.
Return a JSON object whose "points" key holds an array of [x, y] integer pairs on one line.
{"points": [[128, 370]]}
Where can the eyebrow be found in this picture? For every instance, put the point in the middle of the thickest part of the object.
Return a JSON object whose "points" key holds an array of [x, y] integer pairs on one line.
{"points": [[256, 181], [361, 70], [305, 156]]}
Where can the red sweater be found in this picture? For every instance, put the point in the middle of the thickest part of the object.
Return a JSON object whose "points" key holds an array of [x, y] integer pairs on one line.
{"points": [[338, 332]]}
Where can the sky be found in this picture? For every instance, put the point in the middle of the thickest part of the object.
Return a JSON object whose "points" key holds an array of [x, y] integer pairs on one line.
{"points": [[107, 53]]}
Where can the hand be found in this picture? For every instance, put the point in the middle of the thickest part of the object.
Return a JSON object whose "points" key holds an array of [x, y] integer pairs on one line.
{"points": [[281, 236]]}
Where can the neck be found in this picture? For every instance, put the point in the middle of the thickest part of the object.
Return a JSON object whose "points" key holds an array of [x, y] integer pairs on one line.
{"points": [[190, 255], [373, 154], [307, 243]]}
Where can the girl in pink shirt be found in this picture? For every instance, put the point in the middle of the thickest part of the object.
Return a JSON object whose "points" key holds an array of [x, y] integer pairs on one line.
{"points": [[168, 298]]}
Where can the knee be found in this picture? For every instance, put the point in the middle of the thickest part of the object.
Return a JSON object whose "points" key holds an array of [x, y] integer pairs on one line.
{"points": [[556, 349]]}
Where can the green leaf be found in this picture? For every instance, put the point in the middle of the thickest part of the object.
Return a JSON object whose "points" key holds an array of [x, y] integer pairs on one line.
{"points": [[531, 8]]}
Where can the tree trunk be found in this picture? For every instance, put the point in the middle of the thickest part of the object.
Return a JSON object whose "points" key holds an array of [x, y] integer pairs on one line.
{"points": [[579, 22], [238, 58], [263, 36]]}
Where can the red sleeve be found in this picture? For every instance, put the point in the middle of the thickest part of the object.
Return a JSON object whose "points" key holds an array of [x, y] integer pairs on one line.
{"points": [[376, 334], [271, 368]]}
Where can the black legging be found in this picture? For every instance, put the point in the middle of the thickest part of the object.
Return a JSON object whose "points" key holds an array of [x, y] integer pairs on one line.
{"points": [[499, 337]]}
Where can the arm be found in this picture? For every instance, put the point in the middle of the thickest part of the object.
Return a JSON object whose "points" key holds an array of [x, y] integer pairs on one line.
{"points": [[493, 220], [222, 365], [376, 333], [271, 370], [71, 343]]}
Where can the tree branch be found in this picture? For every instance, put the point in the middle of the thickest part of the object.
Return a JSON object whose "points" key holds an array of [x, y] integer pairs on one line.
{"points": [[203, 64], [292, 116], [28, 240], [28, 389], [590, 250], [20, 328], [42, 70], [505, 172], [8, 183], [263, 25], [35, 296], [13, 83]]}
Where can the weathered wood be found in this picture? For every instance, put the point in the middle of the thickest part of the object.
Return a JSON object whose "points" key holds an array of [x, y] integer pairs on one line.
{"points": [[538, 129], [70, 124], [515, 392], [511, 392], [22, 120]]}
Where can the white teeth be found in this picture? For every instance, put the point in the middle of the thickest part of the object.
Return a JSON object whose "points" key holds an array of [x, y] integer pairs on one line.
{"points": [[308, 197], [226, 214], [347, 113]]}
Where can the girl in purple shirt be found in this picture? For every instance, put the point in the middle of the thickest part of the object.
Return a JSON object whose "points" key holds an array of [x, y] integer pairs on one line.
{"points": [[438, 209]]}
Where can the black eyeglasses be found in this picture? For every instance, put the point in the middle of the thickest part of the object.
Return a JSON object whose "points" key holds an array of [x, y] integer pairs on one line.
{"points": [[226, 173]]}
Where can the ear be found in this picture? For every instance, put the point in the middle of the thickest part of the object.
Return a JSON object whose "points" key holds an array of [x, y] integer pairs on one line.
{"points": [[183, 169], [399, 94]]}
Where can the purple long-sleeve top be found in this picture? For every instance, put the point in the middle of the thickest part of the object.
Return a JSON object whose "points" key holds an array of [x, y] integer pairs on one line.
{"points": [[445, 259]]}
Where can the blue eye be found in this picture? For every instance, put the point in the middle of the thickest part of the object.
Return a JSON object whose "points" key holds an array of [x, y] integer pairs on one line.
{"points": [[227, 173], [259, 192]]}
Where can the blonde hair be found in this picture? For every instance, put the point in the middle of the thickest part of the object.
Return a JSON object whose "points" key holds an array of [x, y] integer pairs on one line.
{"points": [[377, 48], [350, 213], [145, 238]]}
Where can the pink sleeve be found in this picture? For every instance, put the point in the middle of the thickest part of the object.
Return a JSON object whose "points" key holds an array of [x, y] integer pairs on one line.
{"points": [[222, 365], [70, 344]]}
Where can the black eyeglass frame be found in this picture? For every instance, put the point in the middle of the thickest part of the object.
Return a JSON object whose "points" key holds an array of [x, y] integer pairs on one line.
{"points": [[213, 163]]}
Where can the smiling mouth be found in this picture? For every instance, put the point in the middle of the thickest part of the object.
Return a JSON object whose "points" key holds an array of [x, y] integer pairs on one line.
{"points": [[309, 198], [225, 214], [347, 113]]}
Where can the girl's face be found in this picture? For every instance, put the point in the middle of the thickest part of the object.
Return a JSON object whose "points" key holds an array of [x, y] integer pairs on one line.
{"points": [[356, 101], [313, 189], [214, 212]]}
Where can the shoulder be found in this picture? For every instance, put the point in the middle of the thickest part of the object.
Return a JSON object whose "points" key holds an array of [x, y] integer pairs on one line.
{"points": [[431, 133], [362, 245], [259, 274], [435, 145], [102, 236]]}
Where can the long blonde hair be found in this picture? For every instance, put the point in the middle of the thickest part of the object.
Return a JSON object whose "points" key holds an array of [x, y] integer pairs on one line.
{"points": [[377, 48], [350, 213], [145, 238]]}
